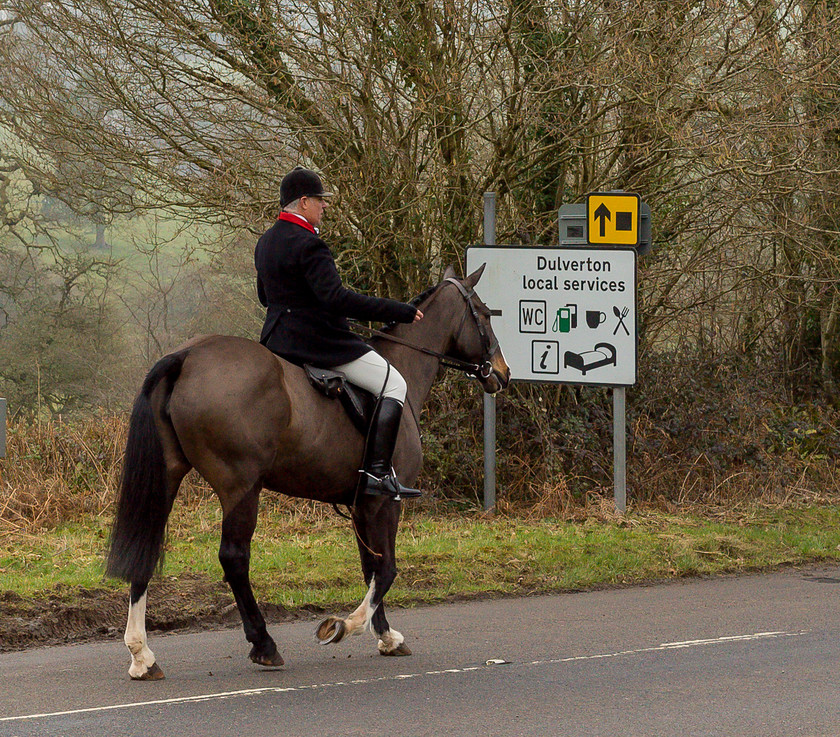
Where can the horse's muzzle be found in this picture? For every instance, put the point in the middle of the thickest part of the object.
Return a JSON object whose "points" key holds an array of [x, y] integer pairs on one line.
{"points": [[494, 375]]}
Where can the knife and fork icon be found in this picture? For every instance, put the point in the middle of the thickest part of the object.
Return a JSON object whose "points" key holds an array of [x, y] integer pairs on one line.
{"points": [[621, 314]]}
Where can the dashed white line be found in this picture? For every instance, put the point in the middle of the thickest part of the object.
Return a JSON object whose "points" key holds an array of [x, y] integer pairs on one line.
{"points": [[673, 646], [402, 676]]}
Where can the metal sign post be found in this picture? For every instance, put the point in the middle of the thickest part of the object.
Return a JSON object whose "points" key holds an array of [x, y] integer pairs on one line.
{"points": [[489, 399], [568, 315], [619, 449], [614, 218], [2, 434]]}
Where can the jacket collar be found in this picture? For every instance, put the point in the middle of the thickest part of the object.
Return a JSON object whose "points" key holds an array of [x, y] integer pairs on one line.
{"points": [[297, 220]]}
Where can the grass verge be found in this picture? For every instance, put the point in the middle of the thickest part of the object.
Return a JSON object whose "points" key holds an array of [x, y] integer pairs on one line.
{"points": [[311, 560]]}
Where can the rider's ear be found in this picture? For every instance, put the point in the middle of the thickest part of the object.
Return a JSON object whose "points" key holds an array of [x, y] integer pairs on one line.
{"points": [[473, 278], [449, 273]]}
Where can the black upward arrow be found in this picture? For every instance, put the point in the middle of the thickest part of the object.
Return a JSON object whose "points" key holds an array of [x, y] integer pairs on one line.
{"points": [[603, 214]]}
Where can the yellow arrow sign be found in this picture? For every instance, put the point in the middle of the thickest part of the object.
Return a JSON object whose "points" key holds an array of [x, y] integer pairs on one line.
{"points": [[613, 218]]}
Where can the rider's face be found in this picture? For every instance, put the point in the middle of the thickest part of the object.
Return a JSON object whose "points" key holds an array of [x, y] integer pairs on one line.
{"points": [[312, 208]]}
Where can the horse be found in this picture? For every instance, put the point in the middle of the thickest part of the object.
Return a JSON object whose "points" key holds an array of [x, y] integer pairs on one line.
{"points": [[248, 420]]}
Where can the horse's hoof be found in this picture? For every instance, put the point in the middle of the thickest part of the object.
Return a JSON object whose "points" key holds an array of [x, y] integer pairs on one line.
{"points": [[332, 629], [401, 649], [153, 673], [269, 660]]}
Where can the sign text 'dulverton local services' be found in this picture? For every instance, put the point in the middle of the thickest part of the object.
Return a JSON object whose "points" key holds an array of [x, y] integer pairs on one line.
{"points": [[562, 314]]}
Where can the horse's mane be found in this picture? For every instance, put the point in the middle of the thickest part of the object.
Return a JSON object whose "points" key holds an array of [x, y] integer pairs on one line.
{"points": [[422, 296], [415, 302]]}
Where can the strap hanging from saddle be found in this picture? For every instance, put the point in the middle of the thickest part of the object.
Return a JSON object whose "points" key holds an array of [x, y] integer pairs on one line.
{"points": [[357, 402]]}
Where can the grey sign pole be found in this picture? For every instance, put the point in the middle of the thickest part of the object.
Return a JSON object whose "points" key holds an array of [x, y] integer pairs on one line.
{"points": [[620, 449], [489, 399], [2, 428], [572, 223]]}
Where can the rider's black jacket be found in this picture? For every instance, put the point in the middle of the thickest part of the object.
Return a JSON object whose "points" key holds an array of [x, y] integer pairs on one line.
{"points": [[307, 304]]}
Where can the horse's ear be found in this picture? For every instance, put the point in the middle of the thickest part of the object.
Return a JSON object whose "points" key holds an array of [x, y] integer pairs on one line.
{"points": [[449, 273], [473, 278]]}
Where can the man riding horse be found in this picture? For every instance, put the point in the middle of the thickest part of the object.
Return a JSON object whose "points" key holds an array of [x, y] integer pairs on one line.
{"points": [[248, 420], [306, 319]]}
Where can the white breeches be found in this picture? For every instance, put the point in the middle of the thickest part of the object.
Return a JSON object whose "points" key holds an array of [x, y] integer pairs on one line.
{"points": [[370, 371]]}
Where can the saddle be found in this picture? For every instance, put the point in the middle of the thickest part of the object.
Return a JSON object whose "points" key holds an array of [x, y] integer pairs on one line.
{"points": [[357, 402]]}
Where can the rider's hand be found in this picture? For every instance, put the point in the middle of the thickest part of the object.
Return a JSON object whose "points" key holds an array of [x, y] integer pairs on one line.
{"points": [[418, 316]]}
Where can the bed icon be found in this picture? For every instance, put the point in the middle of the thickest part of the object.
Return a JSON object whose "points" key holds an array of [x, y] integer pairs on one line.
{"points": [[602, 355]]}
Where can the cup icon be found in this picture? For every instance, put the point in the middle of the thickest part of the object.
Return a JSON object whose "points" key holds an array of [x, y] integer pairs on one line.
{"points": [[594, 318]]}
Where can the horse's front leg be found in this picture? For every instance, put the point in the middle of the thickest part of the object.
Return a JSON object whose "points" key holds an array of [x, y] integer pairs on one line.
{"points": [[389, 640], [238, 528], [375, 522]]}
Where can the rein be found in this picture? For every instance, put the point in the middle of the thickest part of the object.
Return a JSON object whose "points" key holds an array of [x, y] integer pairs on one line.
{"points": [[445, 360], [484, 370]]}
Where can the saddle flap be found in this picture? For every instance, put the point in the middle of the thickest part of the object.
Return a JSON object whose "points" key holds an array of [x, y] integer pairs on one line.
{"points": [[329, 383], [357, 402]]}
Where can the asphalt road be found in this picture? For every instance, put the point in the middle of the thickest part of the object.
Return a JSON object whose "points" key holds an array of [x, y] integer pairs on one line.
{"points": [[735, 657]]}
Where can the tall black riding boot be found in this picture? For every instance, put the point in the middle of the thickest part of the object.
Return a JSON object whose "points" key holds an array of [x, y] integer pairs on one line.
{"points": [[379, 477]]}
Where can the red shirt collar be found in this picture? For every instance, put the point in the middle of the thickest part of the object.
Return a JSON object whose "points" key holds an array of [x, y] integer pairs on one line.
{"points": [[289, 218]]}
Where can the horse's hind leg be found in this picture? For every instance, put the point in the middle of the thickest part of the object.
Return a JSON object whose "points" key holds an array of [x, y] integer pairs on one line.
{"points": [[235, 556], [144, 666]]}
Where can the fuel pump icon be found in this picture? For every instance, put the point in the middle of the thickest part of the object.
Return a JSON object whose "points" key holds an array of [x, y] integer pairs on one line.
{"points": [[565, 319]]}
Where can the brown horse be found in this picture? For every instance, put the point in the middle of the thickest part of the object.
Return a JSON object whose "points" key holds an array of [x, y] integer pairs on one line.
{"points": [[245, 419]]}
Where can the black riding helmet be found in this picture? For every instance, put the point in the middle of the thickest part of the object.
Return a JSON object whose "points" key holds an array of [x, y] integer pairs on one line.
{"points": [[300, 182]]}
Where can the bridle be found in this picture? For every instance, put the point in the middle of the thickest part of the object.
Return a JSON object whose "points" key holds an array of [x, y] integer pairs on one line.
{"points": [[483, 370], [489, 346]]}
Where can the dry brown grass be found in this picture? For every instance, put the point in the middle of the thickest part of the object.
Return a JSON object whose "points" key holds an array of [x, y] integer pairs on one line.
{"points": [[758, 452], [59, 471]]}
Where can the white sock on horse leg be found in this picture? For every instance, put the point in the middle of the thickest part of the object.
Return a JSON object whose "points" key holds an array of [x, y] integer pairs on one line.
{"points": [[135, 639], [359, 620], [390, 640]]}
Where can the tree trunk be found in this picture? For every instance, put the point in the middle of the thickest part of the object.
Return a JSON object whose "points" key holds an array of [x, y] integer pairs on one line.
{"points": [[100, 242]]}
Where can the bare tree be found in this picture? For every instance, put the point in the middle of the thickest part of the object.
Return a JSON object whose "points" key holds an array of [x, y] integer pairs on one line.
{"points": [[721, 113]]}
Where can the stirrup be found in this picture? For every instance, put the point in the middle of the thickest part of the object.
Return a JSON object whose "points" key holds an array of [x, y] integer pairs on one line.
{"points": [[387, 485]]}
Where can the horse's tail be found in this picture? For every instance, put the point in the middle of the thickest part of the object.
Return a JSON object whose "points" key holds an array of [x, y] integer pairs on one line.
{"points": [[143, 506]]}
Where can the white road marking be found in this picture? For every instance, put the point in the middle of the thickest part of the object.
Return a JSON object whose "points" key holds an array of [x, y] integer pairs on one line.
{"points": [[363, 681], [674, 646]]}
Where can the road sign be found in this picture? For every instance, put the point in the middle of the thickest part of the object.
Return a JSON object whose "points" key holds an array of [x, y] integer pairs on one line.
{"points": [[613, 218], [571, 221], [562, 315]]}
